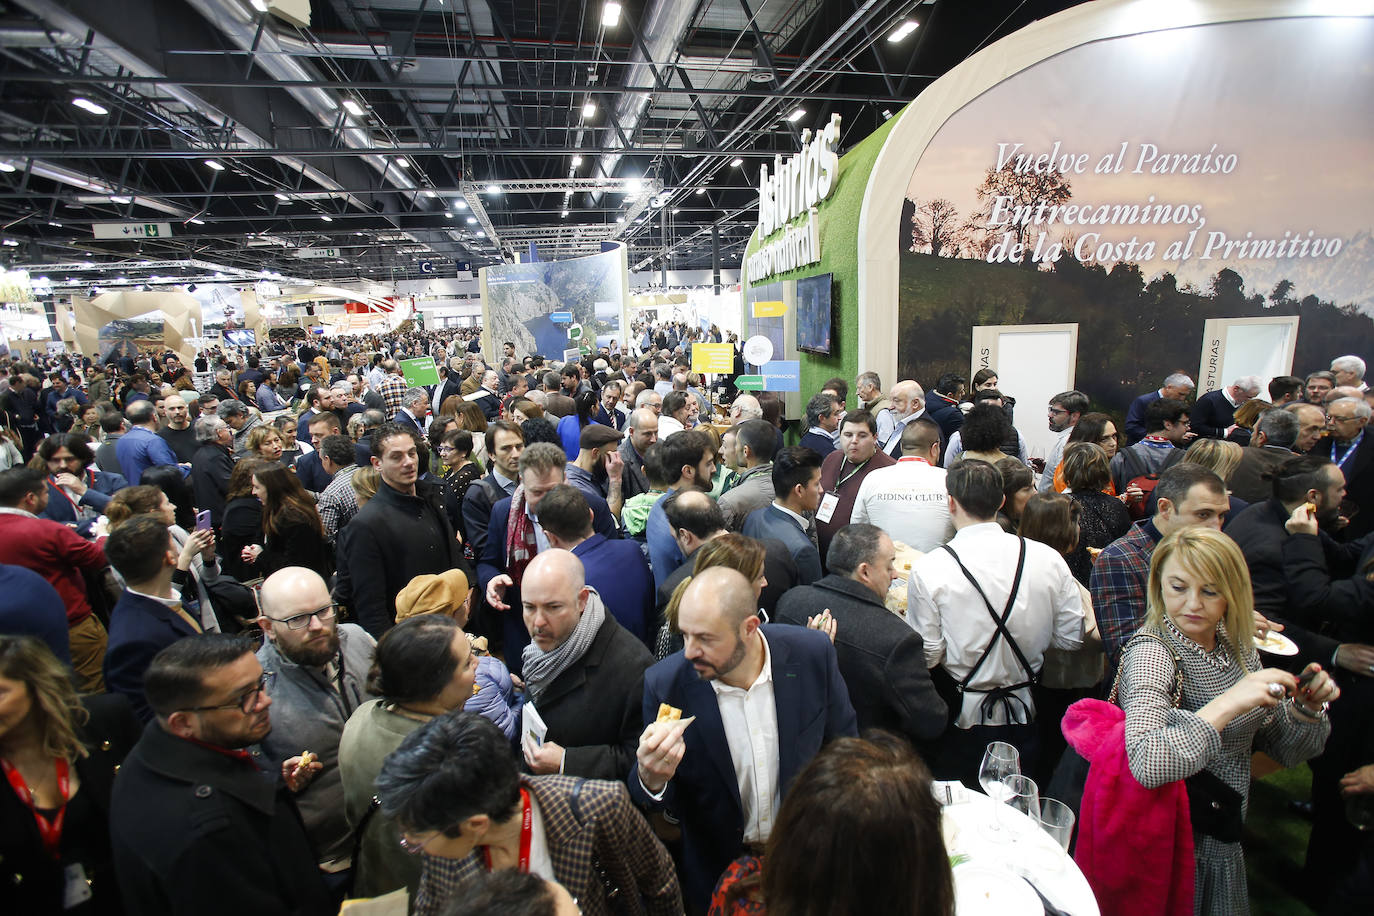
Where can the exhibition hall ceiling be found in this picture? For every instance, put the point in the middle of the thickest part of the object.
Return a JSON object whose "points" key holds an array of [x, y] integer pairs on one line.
{"points": [[400, 139]]}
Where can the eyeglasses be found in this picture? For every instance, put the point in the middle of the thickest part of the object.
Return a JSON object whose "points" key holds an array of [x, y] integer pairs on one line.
{"points": [[301, 621], [1056, 410], [414, 848], [245, 703], [1335, 419]]}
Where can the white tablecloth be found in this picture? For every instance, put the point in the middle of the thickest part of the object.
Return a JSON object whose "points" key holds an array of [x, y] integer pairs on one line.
{"points": [[1033, 854]]}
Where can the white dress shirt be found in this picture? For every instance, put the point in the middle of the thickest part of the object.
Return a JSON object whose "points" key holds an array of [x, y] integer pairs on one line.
{"points": [[909, 501], [944, 607], [667, 426], [750, 718]]}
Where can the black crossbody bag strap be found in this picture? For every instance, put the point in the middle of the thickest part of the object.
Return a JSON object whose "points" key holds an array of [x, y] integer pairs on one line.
{"points": [[998, 695]]}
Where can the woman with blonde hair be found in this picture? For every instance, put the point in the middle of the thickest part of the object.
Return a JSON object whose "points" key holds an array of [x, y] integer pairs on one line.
{"points": [[471, 418], [735, 551], [266, 442], [1217, 455], [59, 753], [1198, 704]]}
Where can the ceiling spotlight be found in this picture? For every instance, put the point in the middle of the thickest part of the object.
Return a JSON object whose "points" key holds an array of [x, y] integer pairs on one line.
{"points": [[620, 219], [700, 191], [797, 115], [481, 234], [589, 109], [576, 161], [903, 30], [633, 186], [403, 162], [120, 199], [448, 215], [610, 14], [565, 214], [6, 167], [259, 5], [471, 220], [676, 212], [736, 162], [460, 204], [493, 189], [887, 113], [352, 107], [327, 219], [218, 167], [88, 105], [11, 243], [195, 221], [280, 196]]}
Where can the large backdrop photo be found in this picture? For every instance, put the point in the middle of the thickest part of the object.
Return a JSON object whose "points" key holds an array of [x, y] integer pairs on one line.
{"points": [[1141, 184]]}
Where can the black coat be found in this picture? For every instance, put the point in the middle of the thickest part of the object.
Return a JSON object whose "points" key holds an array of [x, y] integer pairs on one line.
{"points": [[593, 709], [196, 832], [882, 659], [1211, 415], [1327, 586], [1359, 483], [1260, 533], [33, 881], [393, 539], [211, 467]]}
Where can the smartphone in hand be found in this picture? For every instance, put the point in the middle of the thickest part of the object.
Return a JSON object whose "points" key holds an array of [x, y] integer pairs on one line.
{"points": [[203, 520]]}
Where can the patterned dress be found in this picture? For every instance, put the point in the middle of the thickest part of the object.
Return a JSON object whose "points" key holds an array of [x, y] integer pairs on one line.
{"points": [[1165, 744]]}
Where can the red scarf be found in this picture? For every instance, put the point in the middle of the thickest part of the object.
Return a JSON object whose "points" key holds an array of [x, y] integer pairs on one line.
{"points": [[520, 543]]}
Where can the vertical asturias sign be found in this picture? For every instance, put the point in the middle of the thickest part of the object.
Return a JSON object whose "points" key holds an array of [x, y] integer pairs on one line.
{"points": [[792, 191]]}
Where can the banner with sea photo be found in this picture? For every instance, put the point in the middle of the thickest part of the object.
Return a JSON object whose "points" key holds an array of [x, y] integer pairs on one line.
{"points": [[1180, 175]]}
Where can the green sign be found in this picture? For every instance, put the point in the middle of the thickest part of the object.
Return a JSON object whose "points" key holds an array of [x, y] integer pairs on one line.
{"points": [[749, 383], [420, 372]]}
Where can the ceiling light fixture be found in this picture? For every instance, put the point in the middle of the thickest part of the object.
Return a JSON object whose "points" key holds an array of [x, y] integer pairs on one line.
{"points": [[471, 220], [259, 5], [887, 113], [352, 107], [460, 204], [797, 115], [403, 162], [736, 162], [6, 167], [87, 105], [576, 161], [620, 219], [120, 199], [610, 14], [565, 214], [194, 221], [493, 189], [589, 109], [280, 196], [903, 30], [218, 167], [700, 191], [327, 219]]}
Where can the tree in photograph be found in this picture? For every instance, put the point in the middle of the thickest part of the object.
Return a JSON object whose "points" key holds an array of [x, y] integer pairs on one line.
{"points": [[935, 228], [1023, 190]]}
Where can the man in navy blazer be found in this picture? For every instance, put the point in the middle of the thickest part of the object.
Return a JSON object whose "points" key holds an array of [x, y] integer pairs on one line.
{"points": [[1213, 415], [616, 568], [541, 469], [1176, 387], [765, 699], [149, 616], [797, 485]]}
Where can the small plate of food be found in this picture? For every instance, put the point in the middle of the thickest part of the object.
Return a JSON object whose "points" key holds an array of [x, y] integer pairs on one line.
{"points": [[1275, 643]]}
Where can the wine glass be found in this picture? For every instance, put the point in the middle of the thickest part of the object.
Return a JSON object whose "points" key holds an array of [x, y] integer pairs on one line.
{"points": [[1022, 794], [999, 760], [1057, 820]]}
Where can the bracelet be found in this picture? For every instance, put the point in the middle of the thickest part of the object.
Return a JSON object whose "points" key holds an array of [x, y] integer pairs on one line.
{"points": [[1307, 713]]}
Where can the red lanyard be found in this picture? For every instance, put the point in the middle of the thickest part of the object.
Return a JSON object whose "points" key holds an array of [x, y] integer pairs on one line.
{"points": [[89, 483], [913, 458], [49, 831], [526, 834]]}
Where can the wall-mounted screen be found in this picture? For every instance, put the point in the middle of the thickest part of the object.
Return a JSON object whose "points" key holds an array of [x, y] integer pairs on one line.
{"points": [[814, 314], [241, 337]]}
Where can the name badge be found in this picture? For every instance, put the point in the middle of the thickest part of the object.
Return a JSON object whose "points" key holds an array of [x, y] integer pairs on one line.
{"points": [[76, 890], [827, 508]]}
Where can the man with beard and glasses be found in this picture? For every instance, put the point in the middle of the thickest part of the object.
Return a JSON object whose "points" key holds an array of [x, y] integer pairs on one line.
{"points": [[199, 823], [765, 699], [318, 670]]}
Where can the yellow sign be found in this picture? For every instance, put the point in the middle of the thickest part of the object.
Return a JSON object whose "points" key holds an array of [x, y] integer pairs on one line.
{"points": [[775, 309], [713, 357]]}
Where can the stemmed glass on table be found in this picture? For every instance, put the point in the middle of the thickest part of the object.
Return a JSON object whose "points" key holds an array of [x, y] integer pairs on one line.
{"points": [[1000, 760]]}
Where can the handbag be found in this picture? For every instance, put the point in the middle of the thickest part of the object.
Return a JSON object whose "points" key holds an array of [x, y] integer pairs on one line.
{"points": [[1214, 808]]}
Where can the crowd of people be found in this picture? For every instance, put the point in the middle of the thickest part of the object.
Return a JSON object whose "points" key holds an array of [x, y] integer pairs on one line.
{"points": [[277, 629]]}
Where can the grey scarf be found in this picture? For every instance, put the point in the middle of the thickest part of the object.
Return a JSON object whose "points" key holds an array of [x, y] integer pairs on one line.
{"points": [[542, 668]]}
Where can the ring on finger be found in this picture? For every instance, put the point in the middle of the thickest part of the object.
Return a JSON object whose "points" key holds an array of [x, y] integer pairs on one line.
{"points": [[1276, 689]]}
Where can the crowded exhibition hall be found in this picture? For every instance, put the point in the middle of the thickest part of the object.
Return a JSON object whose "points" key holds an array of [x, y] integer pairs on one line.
{"points": [[686, 458]]}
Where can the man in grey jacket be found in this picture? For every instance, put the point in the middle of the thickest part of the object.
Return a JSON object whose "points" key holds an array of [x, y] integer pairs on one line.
{"points": [[317, 675], [755, 442]]}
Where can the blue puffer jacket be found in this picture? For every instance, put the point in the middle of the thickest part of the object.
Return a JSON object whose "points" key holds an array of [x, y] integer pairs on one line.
{"points": [[495, 697]]}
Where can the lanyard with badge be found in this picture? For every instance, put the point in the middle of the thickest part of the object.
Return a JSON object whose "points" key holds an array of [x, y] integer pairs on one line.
{"points": [[830, 501], [75, 888], [526, 834]]}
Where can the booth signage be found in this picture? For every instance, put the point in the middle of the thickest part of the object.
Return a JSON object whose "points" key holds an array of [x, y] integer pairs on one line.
{"points": [[713, 357], [561, 317], [420, 372], [310, 254], [781, 375], [749, 383], [792, 191], [131, 230], [773, 309]]}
